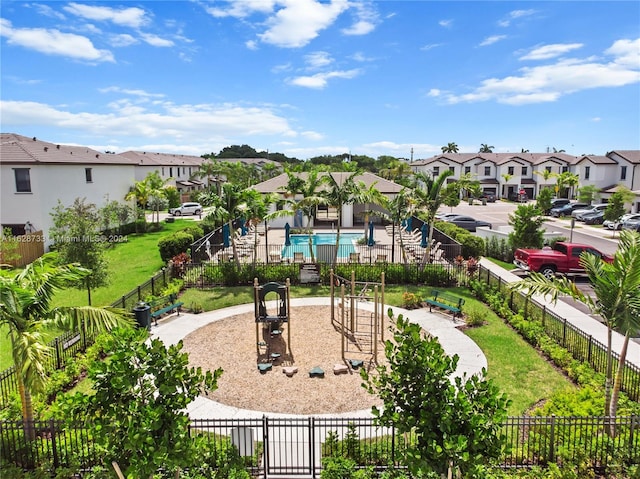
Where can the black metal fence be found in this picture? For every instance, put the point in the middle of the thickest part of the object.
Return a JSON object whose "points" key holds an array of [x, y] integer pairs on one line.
{"points": [[583, 347], [295, 446], [70, 343]]}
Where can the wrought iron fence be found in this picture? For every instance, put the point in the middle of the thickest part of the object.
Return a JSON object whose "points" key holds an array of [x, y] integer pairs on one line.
{"points": [[583, 347], [296, 446], [152, 287]]}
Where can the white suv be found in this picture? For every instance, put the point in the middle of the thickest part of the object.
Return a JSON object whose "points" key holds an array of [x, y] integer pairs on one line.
{"points": [[187, 209]]}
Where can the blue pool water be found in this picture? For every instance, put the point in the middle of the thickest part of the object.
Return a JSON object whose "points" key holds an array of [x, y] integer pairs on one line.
{"points": [[300, 243]]}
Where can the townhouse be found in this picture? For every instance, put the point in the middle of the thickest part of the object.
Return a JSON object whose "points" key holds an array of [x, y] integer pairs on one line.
{"points": [[506, 174]]}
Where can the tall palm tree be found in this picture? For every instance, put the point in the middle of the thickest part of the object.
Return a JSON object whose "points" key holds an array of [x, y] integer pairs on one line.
{"points": [[450, 148], [427, 192], [401, 207], [255, 209], [211, 170], [309, 190], [617, 301], [25, 309], [484, 148], [231, 207], [157, 187], [368, 197], [571, 180], [139, 194], [342, 190]]}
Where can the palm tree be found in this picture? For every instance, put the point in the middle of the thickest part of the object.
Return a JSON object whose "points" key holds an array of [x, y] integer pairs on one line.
{"points": [[139, 194], [368, 197], [156, 189], [25, 300], [211, 169], [507, 177], [569, 179], [309, 190], [429, 199], [450, 148], [342, 190], [255, 209], [616, 287], [484, 148], [231, 207], [401, 207]]}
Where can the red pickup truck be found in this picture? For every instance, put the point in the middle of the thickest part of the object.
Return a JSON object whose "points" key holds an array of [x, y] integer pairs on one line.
{"points": [[563, 258]]}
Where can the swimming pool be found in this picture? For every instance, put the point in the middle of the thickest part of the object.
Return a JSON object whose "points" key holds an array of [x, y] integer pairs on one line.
{"points": [[300, 244]]}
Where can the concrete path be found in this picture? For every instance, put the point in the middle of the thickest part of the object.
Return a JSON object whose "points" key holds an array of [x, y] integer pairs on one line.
{"points": [[173, 329]]}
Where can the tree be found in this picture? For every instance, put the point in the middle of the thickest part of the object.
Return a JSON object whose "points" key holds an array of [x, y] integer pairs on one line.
{"points": [[527, 232], [588, 194], [455, 423], [450, 148], [8, 248], [616, 287], [616, 206], [156, 187], [484, 148], [368, 197], [429, 200], [25, 299], [139, 194], [568, 179], [77, 238], [543, 201], [400, 207], [342, 190], [138, 411]]}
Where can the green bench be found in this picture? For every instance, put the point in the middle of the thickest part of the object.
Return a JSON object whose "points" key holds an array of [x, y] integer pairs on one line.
{"points": [[446, 301], [164, 305]]}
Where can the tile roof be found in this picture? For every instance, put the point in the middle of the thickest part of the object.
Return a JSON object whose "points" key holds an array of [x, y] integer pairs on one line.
{"points": [[498, 158], [22, 150], [597, 160], [146, 158], [632, 156]]}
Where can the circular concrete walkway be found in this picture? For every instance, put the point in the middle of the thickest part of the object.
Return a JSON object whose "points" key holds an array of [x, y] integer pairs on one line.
{"points": [[174, 328]]}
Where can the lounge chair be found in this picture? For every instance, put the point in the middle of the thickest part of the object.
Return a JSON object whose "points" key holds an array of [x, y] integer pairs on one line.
{"points": [[298, 257], [354, 257]]}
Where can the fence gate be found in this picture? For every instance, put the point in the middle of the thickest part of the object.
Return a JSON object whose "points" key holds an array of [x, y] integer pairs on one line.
{"points": [[291, 448]]}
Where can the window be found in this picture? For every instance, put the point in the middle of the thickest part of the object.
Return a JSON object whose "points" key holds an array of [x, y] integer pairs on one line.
{"points": [[511, 170], [524, 171], [88, 175], [623, 172], [548, 168], [436, 170], [171, 171], [565, 169], [23, 180], [452, 169], [487, 171], [587, 172], [467, 170], [163, 171]]}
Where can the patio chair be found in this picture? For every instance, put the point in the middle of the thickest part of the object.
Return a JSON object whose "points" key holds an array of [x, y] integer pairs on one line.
{"points": [[275, 258], [381, 258], [354, 257], [298, 257]]}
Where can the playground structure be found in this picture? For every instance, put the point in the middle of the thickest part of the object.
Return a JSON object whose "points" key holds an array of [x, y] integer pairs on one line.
{"points": [[270, 347], [363, 329]]}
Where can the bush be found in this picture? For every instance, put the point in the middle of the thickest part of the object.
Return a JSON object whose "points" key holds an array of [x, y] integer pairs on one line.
{"points": [[173, 245], [194, 230]]}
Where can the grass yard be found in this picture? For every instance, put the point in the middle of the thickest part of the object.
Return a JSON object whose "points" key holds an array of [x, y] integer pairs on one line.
{"points": [[130, 263]]}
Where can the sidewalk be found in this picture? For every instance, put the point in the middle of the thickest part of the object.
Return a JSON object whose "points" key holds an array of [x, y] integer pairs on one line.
{"points": [[580, 320]]}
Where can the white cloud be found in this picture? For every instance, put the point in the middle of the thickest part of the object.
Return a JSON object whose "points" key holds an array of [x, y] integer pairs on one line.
{"points": [[127, 17], [138, 93], [316, 60], [445, 23], [320, 80], [550, 51], [401, 150], [156, 41], [626, 52], [242, 8], [547, 83], [47, 11], [186, 123], [515, 14], [312, 135], [492, 39], [299, 22], [54, 42], [123, 40], [366, 22], [251, 44], [596, 119], [431, 46]]}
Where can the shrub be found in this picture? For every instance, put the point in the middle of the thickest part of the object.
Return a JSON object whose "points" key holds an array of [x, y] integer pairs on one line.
{"points": [[411, 300], [173, 245]]}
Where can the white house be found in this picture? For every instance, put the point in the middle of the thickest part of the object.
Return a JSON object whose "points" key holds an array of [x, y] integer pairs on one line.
{"points": [[35, 175]]}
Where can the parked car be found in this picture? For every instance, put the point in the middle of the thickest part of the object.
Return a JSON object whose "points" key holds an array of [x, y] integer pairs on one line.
{"points": [[557, 203], [632, 223], [567, 209], [442, 216], [594, 218], [467, 222], [519, 197], [563, 258], [617, 224], [186, 209], [577, 213], [489, 197]]}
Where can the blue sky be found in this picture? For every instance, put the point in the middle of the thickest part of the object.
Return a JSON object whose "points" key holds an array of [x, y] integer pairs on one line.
{"points": [[308, 77]]}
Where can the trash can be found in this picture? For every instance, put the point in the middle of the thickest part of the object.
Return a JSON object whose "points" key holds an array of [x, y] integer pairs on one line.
{"points": [[142, 312]]}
